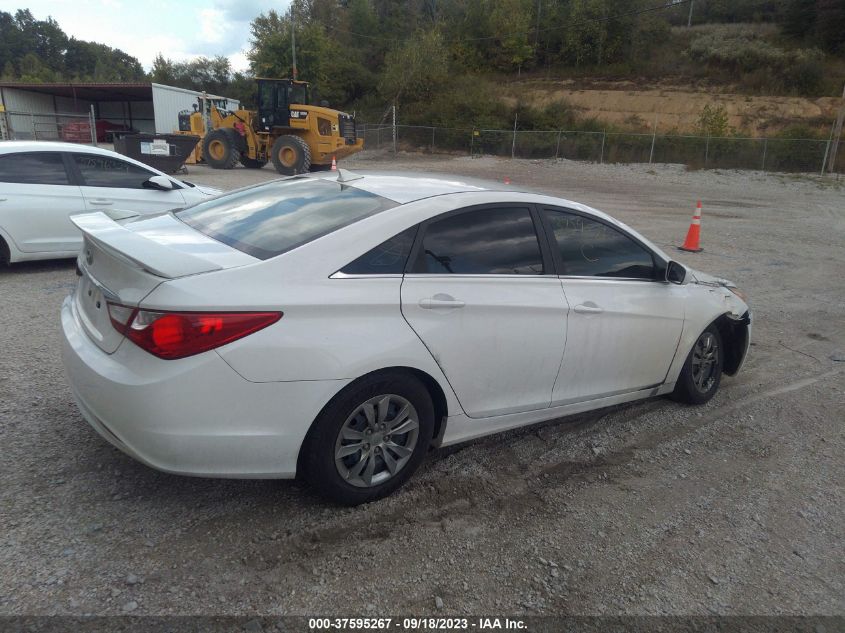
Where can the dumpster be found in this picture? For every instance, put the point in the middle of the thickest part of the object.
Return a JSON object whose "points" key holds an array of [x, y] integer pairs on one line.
{"points": [[165, 152]]}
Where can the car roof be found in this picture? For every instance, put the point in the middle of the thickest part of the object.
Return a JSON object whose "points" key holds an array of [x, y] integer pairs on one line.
{"points": [[406, 187], [51, 146]]}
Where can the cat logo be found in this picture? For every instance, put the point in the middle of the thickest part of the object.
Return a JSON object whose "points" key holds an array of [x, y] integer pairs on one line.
{"points": [[299, 115]]}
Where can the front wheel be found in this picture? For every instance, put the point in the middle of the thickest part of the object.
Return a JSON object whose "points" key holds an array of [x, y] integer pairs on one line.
{"points": [[702, 372], [219, 148], [370, 439]]}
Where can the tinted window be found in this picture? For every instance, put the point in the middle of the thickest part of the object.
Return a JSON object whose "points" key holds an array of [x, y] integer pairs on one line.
{"points": [[483, 242], [273, 218], [34, 168], [388, 258], [593, 249], [104, 171]]}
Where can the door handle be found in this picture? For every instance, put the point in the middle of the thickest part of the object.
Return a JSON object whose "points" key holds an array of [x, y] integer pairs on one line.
{"points": [[441, 301], [101, 201], [588, 309]]}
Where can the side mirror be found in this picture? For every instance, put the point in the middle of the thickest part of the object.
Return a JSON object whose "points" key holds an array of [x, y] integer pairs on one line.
{"points": [[159, 182], [676, 273]]}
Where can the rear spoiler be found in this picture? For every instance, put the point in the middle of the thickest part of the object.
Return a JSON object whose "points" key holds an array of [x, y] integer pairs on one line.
{"points": [[151, 256]]}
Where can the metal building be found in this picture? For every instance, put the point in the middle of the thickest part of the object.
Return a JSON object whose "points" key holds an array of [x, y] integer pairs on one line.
{"points": [[63, 111]]}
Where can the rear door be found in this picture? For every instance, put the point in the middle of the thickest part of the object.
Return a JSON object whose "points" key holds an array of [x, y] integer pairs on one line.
{"points": [[111, 183], [625, 320], [36, 198], [479, 295]]}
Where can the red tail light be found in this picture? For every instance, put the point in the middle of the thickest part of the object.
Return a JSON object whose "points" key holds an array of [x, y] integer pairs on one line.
{"points": [[171, 335]]}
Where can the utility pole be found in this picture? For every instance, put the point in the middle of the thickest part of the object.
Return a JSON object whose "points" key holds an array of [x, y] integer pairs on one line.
{"points": [[293, 39], [689, 19], [837, 134]]}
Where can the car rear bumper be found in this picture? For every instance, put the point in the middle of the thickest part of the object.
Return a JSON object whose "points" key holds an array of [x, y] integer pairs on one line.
{"points": [[195, 416]]}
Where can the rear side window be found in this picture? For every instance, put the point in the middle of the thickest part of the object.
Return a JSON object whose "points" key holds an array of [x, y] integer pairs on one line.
{"points": [[590, 248], [33, 168], [490, 241], [104, 171], [388, 258], [276, 217]]}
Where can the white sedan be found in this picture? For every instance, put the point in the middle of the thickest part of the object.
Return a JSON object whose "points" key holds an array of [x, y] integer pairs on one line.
{"points": [[339, 326], [43, 183]]}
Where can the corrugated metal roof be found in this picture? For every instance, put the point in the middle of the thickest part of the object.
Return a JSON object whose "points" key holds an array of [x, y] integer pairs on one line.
{"points": [[89, 91]]}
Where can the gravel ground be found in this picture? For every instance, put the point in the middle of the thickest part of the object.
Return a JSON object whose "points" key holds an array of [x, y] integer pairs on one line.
{"points": [[736, 507]]}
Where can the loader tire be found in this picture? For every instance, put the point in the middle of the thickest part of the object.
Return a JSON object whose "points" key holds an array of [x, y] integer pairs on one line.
{"points": [[219, 148], [291, 155]]}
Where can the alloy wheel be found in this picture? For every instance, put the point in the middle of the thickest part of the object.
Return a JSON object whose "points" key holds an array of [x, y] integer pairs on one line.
{"points": [[377, 440], [705, 356]]}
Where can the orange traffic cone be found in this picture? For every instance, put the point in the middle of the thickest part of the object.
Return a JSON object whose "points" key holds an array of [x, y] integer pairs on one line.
{"points": [[507, 180], [694, 234], [334, 164]]}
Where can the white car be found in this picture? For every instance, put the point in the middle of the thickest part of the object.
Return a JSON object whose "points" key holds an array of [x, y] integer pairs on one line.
{"points": [[339, 326], [43, 183]]}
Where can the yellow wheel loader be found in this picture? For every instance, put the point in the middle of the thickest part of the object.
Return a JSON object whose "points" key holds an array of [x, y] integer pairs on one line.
{"points": [[294, 136]]}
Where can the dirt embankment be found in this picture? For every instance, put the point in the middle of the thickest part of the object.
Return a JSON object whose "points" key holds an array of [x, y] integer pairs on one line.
{"points": [[629, 105]]}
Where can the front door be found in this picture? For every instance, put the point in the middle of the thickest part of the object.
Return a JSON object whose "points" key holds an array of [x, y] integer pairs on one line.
{"points": [[111, 183], [478, 295], [625, 323]]}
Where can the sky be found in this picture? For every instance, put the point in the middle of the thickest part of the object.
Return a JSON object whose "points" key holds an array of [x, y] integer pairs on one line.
{"points": [[178, 29]]}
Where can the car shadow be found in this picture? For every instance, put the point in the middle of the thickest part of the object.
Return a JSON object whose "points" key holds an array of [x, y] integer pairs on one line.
{"points": [[40, 266]]}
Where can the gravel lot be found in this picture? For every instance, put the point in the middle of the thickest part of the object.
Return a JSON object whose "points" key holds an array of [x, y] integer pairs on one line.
{"points": [[736, 507]]}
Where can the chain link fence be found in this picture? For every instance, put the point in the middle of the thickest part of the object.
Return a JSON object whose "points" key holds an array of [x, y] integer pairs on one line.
{"points": [[29, 126], [696, 152]]}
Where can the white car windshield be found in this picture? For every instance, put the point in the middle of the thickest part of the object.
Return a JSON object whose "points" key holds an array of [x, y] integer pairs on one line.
{"points": [[276, 217]]}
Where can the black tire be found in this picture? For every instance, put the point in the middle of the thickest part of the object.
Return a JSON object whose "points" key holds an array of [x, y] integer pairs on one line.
{"points": [[5, 255], [699, 381], [344, 413], [251, 163], [291, 155], [219, 148]]}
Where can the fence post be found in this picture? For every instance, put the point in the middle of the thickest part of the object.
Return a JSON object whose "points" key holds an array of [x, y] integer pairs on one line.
{"points": [[34, 130], [653, 138], [378, 137], [824, 160], [557, 149], [513, 143], [706, 151], [603, 137], [765, 146], [432, 138], [93, 126], [394, 129]]}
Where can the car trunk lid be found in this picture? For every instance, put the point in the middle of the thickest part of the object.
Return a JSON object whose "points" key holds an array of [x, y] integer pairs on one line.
{"points": [[123, 263]]}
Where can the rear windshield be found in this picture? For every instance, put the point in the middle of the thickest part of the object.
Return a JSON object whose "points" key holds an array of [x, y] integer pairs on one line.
{"points": [[276, 217]]}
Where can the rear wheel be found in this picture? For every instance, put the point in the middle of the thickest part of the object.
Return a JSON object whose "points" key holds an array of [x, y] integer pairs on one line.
{"points": [[702, 372], [370, 439], [251, 163], [5, 256], [291, 155], [218, 148]]}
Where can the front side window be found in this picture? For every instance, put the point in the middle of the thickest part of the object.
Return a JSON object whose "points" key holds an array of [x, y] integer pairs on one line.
{"points": [[105, 171], [589, 248], [33, 168], [298, 94], [492, 241], [275, 217]]}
